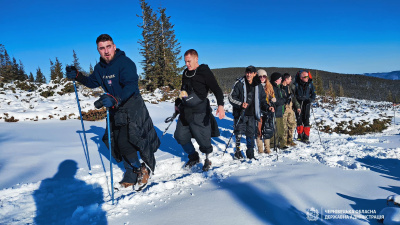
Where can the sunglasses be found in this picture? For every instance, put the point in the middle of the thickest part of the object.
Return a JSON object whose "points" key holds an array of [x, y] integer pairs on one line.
{"points": [[304, 77], [264, 76]]}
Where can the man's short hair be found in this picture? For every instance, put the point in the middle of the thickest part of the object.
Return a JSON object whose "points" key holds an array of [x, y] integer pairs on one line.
{"points": [[285, 76], [251, 69], [104, 37], [191, 52]]}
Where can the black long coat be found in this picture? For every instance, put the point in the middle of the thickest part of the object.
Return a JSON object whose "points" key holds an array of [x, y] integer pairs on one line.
{"points": [[141, 132]]}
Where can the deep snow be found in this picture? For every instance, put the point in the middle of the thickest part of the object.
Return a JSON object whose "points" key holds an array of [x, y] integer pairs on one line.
{"points": [[343, 184]]}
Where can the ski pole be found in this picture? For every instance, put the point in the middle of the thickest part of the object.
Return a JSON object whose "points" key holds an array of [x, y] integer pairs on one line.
{"points": [[110, 147], [169, 120], [237, 123], [312, 110], [394, 114], [275, 148], [83, 128]]}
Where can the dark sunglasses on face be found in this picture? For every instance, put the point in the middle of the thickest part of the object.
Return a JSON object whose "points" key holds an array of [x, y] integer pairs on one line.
{"points": [[263, 76], [305, 77]]}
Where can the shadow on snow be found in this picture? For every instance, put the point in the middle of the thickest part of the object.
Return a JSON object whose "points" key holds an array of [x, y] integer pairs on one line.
{"points": [[102, 148], [63, 199], [271, 208]]}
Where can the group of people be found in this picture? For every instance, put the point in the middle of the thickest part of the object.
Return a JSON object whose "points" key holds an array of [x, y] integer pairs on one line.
{"points": [[262, 109], [267, 110]]}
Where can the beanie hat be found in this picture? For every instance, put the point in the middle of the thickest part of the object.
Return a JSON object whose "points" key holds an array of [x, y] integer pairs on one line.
{"points": [[251, 69], [262, 72], [275, 76]]}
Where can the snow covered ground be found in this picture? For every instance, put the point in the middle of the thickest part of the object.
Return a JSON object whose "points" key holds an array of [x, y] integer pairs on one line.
{"points": [[44, 172]]}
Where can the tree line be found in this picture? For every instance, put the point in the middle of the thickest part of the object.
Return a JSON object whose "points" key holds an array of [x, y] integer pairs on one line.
{"points": [[11, 70], [159, 47]]}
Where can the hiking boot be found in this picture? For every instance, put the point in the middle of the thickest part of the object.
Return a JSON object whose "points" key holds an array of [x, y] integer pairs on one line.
{"points": [[238, 154], [250, 153], [207, 165], [306, 139], [193, 160], [291, 143], [284, 147], [300, 137], [129, 179], [125, 184], [143, 177]]}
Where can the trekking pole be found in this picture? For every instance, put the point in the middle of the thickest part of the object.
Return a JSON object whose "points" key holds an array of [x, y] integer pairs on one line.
{"points": [[275, 148], [83, 128], [110, 147], [317, 127], [169, 120], [394, 114], [226, 147]]}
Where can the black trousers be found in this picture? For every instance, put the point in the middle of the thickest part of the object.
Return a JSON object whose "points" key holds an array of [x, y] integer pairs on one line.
{"points": [[127, 149], [195, 129], [303, 119]]}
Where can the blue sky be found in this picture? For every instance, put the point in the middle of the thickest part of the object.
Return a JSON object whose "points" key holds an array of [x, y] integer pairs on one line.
{"points": [[346, 36]]}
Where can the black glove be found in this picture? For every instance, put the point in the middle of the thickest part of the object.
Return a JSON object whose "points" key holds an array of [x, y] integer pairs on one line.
{"points": [[109, 101], [72, 72]]}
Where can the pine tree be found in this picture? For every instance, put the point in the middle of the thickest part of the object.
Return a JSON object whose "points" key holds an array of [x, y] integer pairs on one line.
{"points": [[170, 52], [14, 70], [341, 91], [40, 78], [160, 49], [76, 62], [6, 66], [332, 92], [31, 78], [2, 55], [389, 97], [58, 70], [148, 50], [21, 72], [319, 87], [53, 76], [90, 69]]}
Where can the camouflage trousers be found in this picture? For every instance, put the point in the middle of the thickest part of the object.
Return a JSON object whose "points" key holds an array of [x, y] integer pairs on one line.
{"points": [[289, 125], [278, 135]]}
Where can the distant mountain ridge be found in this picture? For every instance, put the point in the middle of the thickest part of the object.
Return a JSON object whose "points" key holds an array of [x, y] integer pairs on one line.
{"points": [[394, 75]]}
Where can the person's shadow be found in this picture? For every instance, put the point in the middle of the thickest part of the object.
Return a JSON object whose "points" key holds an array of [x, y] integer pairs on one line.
{"points": [[102, 148], [63, 199]]}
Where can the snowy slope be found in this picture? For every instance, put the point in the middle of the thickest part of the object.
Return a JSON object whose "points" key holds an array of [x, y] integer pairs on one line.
{"points": [[342, 179]]}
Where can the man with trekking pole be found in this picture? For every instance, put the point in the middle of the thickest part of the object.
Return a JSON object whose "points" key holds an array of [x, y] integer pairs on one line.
{"points": [[248, 99], [130, 126]]}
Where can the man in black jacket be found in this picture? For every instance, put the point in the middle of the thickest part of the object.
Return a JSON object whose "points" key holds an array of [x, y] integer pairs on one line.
{"points": [[281, 98], [196, 120], [305, 95], [132, 129], [248, 99]]}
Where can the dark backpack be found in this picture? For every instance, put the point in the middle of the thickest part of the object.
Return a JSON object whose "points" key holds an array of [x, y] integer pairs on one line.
{"points": [[267, 128]]}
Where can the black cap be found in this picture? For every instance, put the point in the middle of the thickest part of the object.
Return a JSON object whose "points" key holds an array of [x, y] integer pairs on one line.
{"points": [[251, 69], [275, 76]]}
